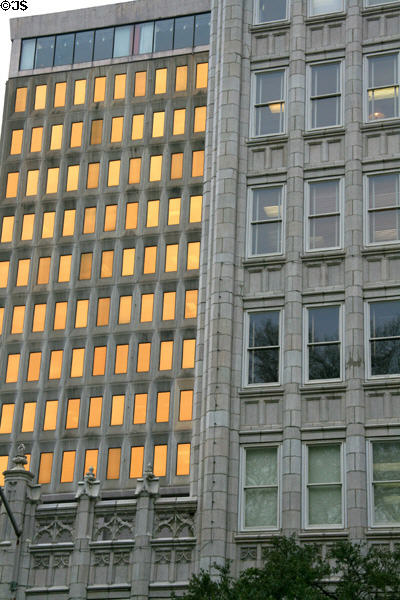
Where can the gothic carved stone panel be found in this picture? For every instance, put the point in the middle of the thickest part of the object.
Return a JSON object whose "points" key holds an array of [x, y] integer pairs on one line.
{"points": [[52, 529], [117, 526], [174, 525]]}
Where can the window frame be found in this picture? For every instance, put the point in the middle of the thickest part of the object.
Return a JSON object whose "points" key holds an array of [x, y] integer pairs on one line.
{"points": [[379, 3], [370, 483], [367, 88], [245, 369], [308, 216], [310, 14], [338, 94], [256, 14], [254, 105], [251, 223], [367, 339], [368, 211]]}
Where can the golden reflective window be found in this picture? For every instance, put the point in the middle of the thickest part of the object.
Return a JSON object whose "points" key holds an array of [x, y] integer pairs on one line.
{"points": [[89, 220], [119, 86], [80, 91], [107, 259], [99, 360], [158, 124], [23, 271], [7, 415], [113, 463], [81, 315], [168, 312], [146, 311], [60, 315], [160, 460], [20, 99], [72, 419], [50, 415], [137, 455], [103, 312], [60, 91], [4, 268], [95, 408], [166, 354], [128, 262], [76, 134], [135, 165], [3, 467], [43, 270], [181, 79], [52, 180], [12, 368], [56, 137], [171, 257], [140, 83], [140, 409], [174, 211], [93, 176], [198, 163], [201, 75], [96, 133], [110, 217], [183, 459], [56, 357], [45, 467], [160, 86], [117, 127], [16, 141], [178, 127], [150, 258], [200, 117], [1, 319], [137, 127], [131, 215], [12, 185], [64, 268], [72, 178], [7, 229], [143, 357], [193, 255], [117, 410], [69, 222], [155, 168], [188, 353], [77, 362], [191, 304], [28, 223], [162, 414], [40, 97], [48, 224], [32, 181], [85, 267], [177, 165], [121, 359], [68, 466], [99, 89], [91, 458], [17, 324], [125, 309], [114, 167], [28, 464], [153, 209], [35, 360], [39, 317]]}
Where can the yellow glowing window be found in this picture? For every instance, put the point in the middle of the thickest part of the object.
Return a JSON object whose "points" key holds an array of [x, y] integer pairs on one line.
{"points": [[150, 259], [72, 178], [181, 79], [36, 139], [35, 359], [56, 357], [186, 405], [28, 417], [201, 75], [45, 467], [28, 464], [32, 181], [93, 176], [166, 354], [7, 415], [23, 271], [125, 309], [128, 262], [28, 222], [50, 415], [12, 368], [80, 91], [89, 220], [103, 312], [77, 362], [81, 316], [95, 408], [85, 267], [99, 360], [177, 165], [60, 315], [1, 319], [7, 229], [76, 134], [183, 459], [113, 172], [20, 99], [174, 211], [17, 325], [160, 86], [3, 467], [40, 97], [160, 461], [52, 180], [119, 86], [72, 420], [137, 127], [179, 121], [137, 455], [188, 354], [131, 215], [48, 224], [91, 458], [96, 132], [117, 127], [99, 89], [168, 312], [43, 270], [121, 359], [110, 217], [191, 304], [143, 357], [113, 463], [146, 311], [4, 268], [16, 141], [171, 257], [193, 255], [158, 124], [200, 117], [155, 167], [198, 163], [39, 317], [69, 222], [117, 410], [140, 83], [68, 466], [64, 268], [60, 91], [107, 258], [56, 137], [162, 414], [140, 409], [12, 185], [153, 209], [135, 165]]}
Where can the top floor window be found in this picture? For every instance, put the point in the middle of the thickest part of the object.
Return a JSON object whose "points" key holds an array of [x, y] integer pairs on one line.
{"points": [[383, 87], [269, 105], [270, 10], [322, 7]]}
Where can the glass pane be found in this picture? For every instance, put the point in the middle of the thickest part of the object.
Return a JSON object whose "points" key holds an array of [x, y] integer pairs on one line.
{"points": [[113, 463], [200, 117], [271, 10], [386, 461], [64, 49], [131, 215], [186, 405], [163, 34], [324, 361], [183, 36], [77, 362], [383, 190], [202, 29], [7, 415], [56, 357], [193, 255], [83, 46], [44, 52], [269, 87], [174, 209], [68, 466], [69, 222], [27, 55], [155, 168], [323, 324], [64, 269], [384, 226], [261, 466], [56, 137], [198, 163], [261, 508], [52, 180], [7, 229], [117, 410], [140, 83], [319, 7], [121, 359], [81, 316], [385, 318], [103, 312], [158, 124], [123, 41], [264, 328], [97, 132], [72, 178], [99, 89], [140, 409], [382, 70], [113, 172], [188, 354], [269, 119], [23, 272], [325, 79], [324, 464], [162, 414], [324, 197], [110, 217], [50, 415], [103, 43], [28, 418], [146, 312], [181, 78], [128, 262], [95, 407], [43, 270], [20, 99], [171, 258], [325, 505], [160, 86], [160, 461], [36, 139], [201, 75], [12, 368], [266, 238], [93, 175], [386, 503], [191, 304], [60, 91], [80, 91], [168, 306], [76, 134], [385, 357], [166, 355], [143, 357], [4, 268], [119, 86], [137, 127], [125, 309], [89, 221], [176, 165], [72, 420], [40, 97], [383, 103], [99, 360], [325, 112], [324, 232], [28, 222], [12, 185], [137, 454], [17, 324], [264, 366], [60, 315], [16, 141], [45, 467], [85, 269], [117, 126], [195, 209], [144, 38], [134, 170], [39, 317], [91, 457], [183, 459]]}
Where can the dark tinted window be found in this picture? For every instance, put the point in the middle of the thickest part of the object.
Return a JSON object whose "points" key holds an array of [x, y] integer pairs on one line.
{"points": [[83, 46], [183, 36], [27, 54], [64, 49], [202, 30], [163, 34], [103, 43], [44, 52]]}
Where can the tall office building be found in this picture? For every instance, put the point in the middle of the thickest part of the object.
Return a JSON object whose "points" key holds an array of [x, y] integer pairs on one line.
{"points": [[199, 291]]}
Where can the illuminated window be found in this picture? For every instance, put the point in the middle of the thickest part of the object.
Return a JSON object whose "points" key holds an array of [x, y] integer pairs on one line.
{"points": [[125, 309], [50, 415], [103, 312], [20, 99], [40, 97], [23, 271], [121, 359], [193, 255], [128, 261], [113, 172], [32, 180], [117, 126], [177, 165], [150, 258], [134, 170], [81, 316], [143, 357], [17, 325], [140, 409], [60, 315], [77, 362], [117, 410], [183, 459], [96, 133], [200, 117], [64, 268], [4, 268], [155, 168], [191, 304], [3, 467], [174, 211], [43, 270], [69, 222], [131, 215], [99, 89], [119, 87], [93, 176], [160, 461], [35, 359], [113, 463], [85, 268], [153, 207], [89, 220], [68, 465], [7, 415], [72, 419], [166, 354], [1, 319], [12, 368], [48, 224], [146, 311], [162, 414], [7, 229], [178, 127], [60, 91], [16, 141], [158, 124], [186, 405], [168, 312], [95, 408], [137, 127], [110, 217], [201, 75], [137, 455], [28, 222], [45, 467], [56, 137], [181, 79], [91, 458], [56, 357], [39, 317], [107, 258], [171, 257], [188, 354], [36, 139], [12, 185], [99, 360], [76, 134], [198, 163], [52, 180], [80, 91], [140, 83], [160, 86]]}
